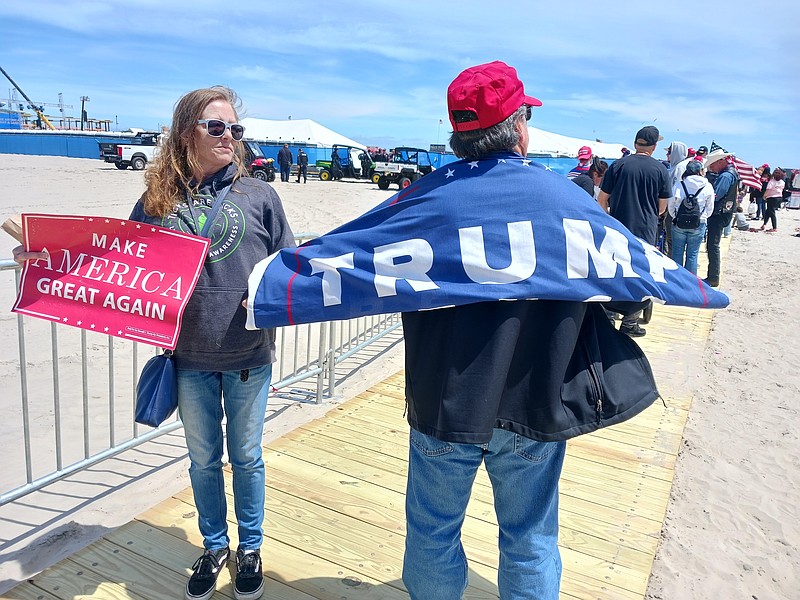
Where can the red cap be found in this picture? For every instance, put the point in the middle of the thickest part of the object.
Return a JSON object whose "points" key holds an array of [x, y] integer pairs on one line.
{"points": [[585, 153], [484, 95]]}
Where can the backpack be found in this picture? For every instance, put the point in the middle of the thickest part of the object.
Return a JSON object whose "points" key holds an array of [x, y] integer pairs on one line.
{"points": [[688, 215], [727, 204]]}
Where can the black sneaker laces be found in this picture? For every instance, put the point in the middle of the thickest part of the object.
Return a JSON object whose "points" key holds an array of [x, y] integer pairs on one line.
{"points": [[248, 565], [206, 566]]}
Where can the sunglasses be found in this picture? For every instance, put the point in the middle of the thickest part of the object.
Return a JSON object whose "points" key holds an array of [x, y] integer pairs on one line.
{"points": [[216, 128], [528, 113]]}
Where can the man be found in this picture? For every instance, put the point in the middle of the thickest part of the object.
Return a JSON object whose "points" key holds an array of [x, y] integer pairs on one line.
{"points": [[302, 165], [584, 158], [491, 375], [725, 187], [635, 191], [285, 162], [484, 380]]}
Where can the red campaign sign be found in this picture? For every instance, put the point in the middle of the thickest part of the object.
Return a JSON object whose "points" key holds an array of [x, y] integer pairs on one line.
{"points": [[122, 278]]}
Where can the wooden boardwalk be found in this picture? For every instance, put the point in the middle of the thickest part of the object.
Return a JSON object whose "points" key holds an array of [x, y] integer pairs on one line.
{"points": [[335, 491]]}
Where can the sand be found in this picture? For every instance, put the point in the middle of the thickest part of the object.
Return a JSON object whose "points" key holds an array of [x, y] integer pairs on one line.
{"points": [[731, 529]]}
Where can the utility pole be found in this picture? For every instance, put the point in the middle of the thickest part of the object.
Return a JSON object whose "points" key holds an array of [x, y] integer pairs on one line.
{"points": [[84, 99]]}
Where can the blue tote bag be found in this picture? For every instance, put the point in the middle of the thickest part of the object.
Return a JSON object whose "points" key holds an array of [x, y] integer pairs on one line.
{"points": [[157, 390]]}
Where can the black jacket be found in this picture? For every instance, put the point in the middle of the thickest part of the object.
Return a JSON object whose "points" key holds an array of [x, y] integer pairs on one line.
{"points": [[284, 157], [546, 370]]}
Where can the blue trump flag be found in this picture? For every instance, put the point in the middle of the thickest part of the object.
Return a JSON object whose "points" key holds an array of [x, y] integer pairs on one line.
{"points": [[499, 228]]}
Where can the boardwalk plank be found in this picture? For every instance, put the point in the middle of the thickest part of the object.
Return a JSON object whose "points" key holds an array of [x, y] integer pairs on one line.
{"points": [[334, 520]]}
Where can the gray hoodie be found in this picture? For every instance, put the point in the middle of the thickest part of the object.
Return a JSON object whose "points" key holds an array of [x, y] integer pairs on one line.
{"points": [[678, 152], [250, 226]]}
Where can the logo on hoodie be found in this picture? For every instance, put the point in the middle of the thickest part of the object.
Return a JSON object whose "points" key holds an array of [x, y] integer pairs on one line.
{"points": [[225, 233]]}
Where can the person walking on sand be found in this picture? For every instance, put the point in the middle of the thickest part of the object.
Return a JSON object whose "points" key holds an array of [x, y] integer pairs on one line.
{"points": [[285, 162], [773, 196], [223, 369], [302, 165]]}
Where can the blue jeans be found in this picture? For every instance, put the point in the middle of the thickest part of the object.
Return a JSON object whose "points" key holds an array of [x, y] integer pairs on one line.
{"points": [[761, 207], [687, 241], [524, 474], [201, 395]]}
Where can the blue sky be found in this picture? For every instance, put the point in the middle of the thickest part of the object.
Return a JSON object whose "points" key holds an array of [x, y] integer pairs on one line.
{"points": [[377, 72]]}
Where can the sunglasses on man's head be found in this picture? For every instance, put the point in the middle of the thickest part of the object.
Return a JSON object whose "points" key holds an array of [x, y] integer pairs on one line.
{"points": [[216, 128]]}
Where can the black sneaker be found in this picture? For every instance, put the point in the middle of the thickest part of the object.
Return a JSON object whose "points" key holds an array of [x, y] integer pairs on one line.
{"points": [[711, 282], [249, 580], [203, 582], [634, 330]]}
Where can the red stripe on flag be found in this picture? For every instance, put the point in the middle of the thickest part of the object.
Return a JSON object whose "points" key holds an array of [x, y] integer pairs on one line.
{"points": [[747, 173]]}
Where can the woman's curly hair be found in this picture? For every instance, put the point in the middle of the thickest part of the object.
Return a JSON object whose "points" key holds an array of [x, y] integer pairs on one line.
{"points": [[170, 174]]}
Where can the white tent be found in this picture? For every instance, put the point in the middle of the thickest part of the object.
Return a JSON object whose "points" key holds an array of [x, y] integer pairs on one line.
{"points": [[557, 145], [304, 131]]}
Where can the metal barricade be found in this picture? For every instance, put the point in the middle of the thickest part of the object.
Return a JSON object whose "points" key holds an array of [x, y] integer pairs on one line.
{"points": [[93, 391]]}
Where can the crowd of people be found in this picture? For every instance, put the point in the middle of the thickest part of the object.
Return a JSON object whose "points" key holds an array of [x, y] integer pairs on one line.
{"points": [[677, 204]]}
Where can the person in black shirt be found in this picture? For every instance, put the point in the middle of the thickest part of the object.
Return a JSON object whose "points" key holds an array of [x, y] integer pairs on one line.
{"points": [[635, 191]]}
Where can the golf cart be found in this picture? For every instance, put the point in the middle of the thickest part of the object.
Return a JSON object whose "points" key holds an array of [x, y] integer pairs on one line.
{"points": [[258, 165], [404, 167], [347, 162]]}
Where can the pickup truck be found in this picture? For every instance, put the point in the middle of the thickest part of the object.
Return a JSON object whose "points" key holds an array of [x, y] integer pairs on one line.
{"points": [[135, 155], [404, 168]]}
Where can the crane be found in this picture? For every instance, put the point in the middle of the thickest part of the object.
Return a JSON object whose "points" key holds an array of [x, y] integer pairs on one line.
{"points": [[39, 112]]}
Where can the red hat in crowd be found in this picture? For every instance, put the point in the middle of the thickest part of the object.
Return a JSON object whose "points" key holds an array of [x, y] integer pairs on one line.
{"points": [[691, 152], [585, 153], [485, 95]]}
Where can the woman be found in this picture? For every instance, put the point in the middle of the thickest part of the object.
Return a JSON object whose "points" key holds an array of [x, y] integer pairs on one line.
{"points": [[686, 242], [222, 368], [773, 195], [757, 196], [591, 180]]}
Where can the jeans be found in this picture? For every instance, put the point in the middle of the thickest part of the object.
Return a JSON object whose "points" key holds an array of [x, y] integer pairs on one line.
{"points": [[285, 171], [687, 241], [524, 474], [761, 205], [201, 396], [716, 223]]}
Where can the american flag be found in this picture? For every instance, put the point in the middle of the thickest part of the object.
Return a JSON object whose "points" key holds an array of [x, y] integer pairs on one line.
{"points": [[747, 173], [716, 146]]}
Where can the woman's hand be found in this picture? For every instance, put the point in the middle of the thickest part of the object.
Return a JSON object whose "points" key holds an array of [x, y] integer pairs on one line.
{"points": [[21, 257]]}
